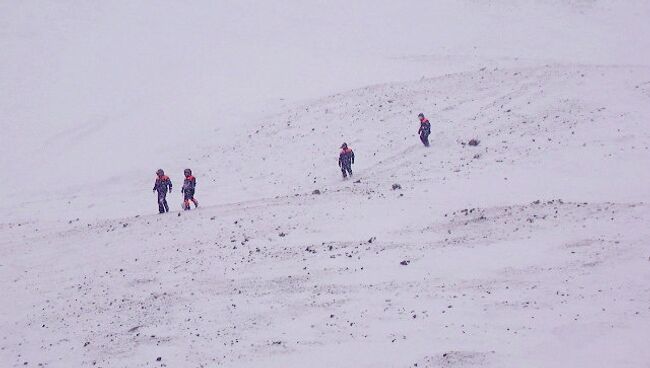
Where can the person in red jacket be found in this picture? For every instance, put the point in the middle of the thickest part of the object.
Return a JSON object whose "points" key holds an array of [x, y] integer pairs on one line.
{"points": [[425, 130], [189, 186], [162, 185], [346, 159]]}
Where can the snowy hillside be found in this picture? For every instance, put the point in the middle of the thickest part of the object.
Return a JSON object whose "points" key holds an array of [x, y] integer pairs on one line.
{"points": [[528, 250]]}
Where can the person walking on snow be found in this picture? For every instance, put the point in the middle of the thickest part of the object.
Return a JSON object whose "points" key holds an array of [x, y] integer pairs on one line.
{"points": [[425, 130], [162, 185], [346, 159], [189, 185]]}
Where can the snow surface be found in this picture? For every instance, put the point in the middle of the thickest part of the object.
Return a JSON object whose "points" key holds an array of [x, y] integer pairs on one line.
{"points": [[530, 249]]}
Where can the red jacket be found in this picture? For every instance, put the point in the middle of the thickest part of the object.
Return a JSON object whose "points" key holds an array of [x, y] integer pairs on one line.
{"points": [[189, 183], [346, 157], [163, 184]]}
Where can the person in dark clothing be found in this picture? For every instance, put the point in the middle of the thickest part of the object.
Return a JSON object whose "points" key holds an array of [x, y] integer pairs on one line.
{"points": [[425, 130], [346, 159], [189, 186], [162, 185]]}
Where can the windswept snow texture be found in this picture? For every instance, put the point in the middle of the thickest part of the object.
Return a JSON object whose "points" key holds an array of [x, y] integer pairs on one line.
{"points": [[530, 249]]}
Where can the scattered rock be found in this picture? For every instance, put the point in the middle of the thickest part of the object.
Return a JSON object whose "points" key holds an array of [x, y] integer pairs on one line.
{"points": [[405, 263], [158, 359], [396, 186], [372, 240], [473, 142], [282, 235], [316, 192]]}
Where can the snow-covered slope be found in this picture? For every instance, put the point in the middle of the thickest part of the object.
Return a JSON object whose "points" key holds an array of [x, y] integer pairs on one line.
{"points": [[535, 125], [529, 249], [96, 97], [554, 283]]}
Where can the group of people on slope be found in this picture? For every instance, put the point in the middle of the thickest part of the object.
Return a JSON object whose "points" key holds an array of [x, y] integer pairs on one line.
{"points": [[163, 183], [346, 157]]}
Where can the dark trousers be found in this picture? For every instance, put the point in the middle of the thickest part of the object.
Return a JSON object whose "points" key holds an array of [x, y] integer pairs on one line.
{"points": [[188, 196], [424, 137], [162, 202], [345, 169]]}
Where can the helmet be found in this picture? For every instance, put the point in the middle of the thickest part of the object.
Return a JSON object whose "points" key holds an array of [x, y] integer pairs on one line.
{"points": [[344, 145], [187, 172], [420, 115], [160, 172]]}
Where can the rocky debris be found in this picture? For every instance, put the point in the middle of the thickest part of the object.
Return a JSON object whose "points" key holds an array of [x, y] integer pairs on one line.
{"points": [[158, 359], [371, 240], [282, 235], [133, 329], [405, 263], [459, 358], [396, 186], [473, 142], [316, 192]]}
